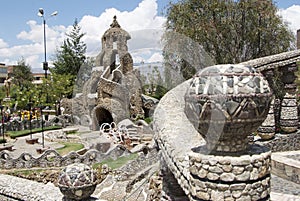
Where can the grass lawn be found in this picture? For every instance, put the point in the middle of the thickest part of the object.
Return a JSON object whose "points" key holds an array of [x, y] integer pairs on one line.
{"points": [[15, 134], [119, 162], [68, 147]]}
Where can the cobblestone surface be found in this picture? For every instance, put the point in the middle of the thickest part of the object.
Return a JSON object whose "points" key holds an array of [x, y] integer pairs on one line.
{"points": [[279, 185]]}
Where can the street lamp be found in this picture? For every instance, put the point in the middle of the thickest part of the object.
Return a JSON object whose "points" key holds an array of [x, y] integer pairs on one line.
{"points": [[41, 14], [2, 123], [43, 139]]}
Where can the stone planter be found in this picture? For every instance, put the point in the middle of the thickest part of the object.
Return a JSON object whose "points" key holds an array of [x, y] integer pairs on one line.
{"points": [[77, 181], [226, 103], [77, 193], [42, 150], [32, 140]]}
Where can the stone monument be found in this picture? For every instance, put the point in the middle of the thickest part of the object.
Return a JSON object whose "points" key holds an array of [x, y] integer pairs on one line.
{"points": [[226, 103], [119, 88], [114, 90]]}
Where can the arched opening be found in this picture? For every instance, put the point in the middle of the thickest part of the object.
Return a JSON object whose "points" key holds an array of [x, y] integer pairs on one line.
{"points": [[103, 116]]}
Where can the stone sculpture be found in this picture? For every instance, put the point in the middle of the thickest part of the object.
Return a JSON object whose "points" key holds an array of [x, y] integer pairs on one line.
{"points": [[77, 181], [226, 103]]}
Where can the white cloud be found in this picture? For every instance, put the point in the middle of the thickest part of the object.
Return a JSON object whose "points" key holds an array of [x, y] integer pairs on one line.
{"points": [[3, 44], [291, 15], [143, 23]]}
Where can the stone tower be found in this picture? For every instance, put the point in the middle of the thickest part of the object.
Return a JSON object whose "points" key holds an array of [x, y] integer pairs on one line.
{"points": [[119, 88], [114, 45]]}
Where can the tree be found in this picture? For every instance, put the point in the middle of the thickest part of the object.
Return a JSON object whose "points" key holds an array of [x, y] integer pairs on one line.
{"points": [[21, 87], [231, 31], [71, 55], [61, 86], [22, 75]]}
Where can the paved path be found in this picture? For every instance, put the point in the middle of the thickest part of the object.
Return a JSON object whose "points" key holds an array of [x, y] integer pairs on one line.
{"points": [[20, 146], [281, 189]]}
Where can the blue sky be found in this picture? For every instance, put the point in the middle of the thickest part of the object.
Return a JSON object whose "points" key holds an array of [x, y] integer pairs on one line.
{"points": [[18, 12], [21, 33]]}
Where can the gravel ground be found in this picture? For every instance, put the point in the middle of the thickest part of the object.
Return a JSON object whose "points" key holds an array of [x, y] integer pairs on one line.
{"points": [[280, 185]]}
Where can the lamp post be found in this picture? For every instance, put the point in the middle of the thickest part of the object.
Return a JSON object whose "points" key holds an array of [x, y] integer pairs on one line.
{"points": [[45, 63], [30, 117], [43, 140], [2, 123]]}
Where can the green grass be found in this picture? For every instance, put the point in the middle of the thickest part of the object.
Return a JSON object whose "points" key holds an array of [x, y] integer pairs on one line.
{"points": [[115, 164], [148, 120], [68, 147], [26, 172], [72, 133], [15, 134]]}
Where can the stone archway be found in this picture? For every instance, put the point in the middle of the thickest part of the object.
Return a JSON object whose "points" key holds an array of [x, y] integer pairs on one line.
{"points": [[103, 116]]}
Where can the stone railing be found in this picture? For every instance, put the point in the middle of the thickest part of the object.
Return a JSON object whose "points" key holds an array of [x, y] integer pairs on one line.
{"points": [[16, 125], [282, 68], [15, 188], [176, 136], [210, 178], [274, 61], [51, 158]]}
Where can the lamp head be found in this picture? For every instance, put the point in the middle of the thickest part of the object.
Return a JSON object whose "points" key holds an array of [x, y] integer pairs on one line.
{"points": [[41, 12], [54, 13]]}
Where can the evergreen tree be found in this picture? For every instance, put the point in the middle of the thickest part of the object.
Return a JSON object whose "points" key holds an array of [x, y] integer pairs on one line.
{"points": [[22, 75], [71, 55]]}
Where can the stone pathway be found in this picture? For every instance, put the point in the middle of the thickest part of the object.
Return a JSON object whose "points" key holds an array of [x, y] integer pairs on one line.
{"points": [[283, 186], [111, 189], [20, 146]]}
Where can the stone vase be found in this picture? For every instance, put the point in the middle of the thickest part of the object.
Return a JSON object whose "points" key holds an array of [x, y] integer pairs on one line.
{"points": [[77, 181], [267, 130], [226, 103]]}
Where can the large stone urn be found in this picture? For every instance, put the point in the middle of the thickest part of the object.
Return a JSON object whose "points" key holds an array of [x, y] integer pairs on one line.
{"points": [[226, 103], [77, 181]]}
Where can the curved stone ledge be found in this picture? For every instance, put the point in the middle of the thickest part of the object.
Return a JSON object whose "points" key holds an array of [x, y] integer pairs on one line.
{"points": [[178, 140], [230, 169], [50, 158], [15, 188], [258, 190]]}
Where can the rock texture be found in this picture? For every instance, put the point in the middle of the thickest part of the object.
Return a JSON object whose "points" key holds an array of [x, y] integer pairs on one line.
{"points": [[226, 103]]}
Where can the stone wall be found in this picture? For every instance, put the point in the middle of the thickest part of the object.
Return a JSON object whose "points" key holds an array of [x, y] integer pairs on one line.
{"points": [[51, 158], [287, 165], [283, 142], [246, 177], [14, 188], [16, 125], [176, 136]]}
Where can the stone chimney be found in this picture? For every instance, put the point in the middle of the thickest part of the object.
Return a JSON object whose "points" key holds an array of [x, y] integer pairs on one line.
{"points": [[298, 39]]}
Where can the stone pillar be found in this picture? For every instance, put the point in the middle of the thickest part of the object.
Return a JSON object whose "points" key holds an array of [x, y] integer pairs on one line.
{"points": [[267, 130], [233, 101], [231, 178], [298, 39], [289, 110]]}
